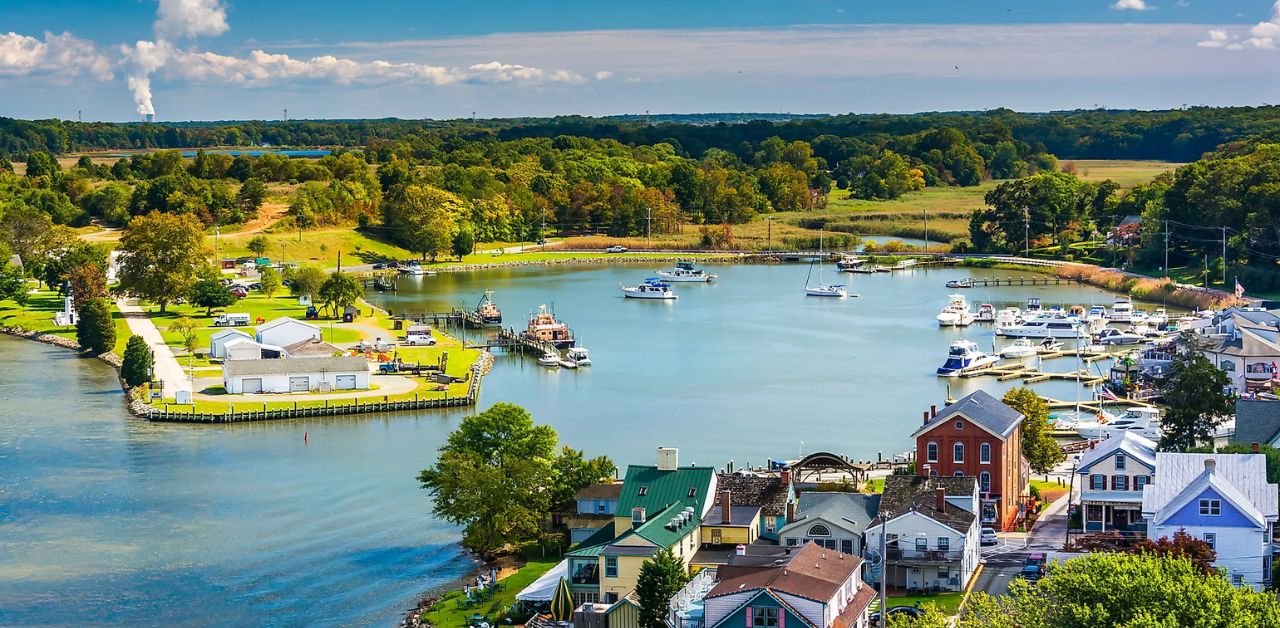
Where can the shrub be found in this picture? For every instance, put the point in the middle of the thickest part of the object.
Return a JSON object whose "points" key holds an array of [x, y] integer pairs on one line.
{"points": [[95, 331], [136, 369]]}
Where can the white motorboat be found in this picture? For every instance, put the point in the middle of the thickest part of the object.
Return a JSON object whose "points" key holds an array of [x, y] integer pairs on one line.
{"points": [[1111, 336], [1122, 310], [960, 283], [685, 272], [822, 289], [1141, 421], [852, 265], [415, 269], [964, 357], [1033, 305], [1158, 318], [1021, 348], [1138, 316], [651, 288], [1070, 419], [1008, 317], [578, 356], [956, 313], [1046, 327], [1097, 311], [549, 359], [986, 313], [1049, 344]]}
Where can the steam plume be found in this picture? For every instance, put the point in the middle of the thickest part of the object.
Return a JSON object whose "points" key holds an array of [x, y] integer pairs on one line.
{"points": [[175, 20]]}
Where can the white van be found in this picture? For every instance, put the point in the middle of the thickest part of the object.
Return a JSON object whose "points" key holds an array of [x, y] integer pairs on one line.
{"points": [[231, 320]]}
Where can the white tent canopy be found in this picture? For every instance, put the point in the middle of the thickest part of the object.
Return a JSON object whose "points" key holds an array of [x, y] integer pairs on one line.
{"points": [[544, 587]]}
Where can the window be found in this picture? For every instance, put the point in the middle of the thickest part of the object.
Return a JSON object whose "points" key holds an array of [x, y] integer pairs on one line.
{"points": [[959, 425], [1237, 579], [693, 491], [818, 529], [944, 572], [846, 546], [637, 515], [791, 542], [601, 507], [644, 490], [984, 453], [610, 598], [1120, 461], [1212, 539], [984, 481], [764, 617], [933, 473], [944, 543], [957, 452], [931, 452], [1266, 567], [1098, 482], [1210, 507], [1119, 482], [958, 474], [1228, 366], [1093, 513], [611, 566], [922, 543], [1139, 481]]}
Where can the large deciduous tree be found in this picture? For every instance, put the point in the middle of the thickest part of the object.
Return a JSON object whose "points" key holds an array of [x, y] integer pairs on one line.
{"points": [[95, 331], [1194, 391], [573, 472], [306, 281], [339, 291], [423, 218], [209, 293], [1037, 444], [161, 256], [660, 578]]}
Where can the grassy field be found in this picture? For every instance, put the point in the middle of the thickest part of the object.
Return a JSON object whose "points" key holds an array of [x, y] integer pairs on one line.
{"points": [[453, 609], [948, 603], [1127, 173], [38, 313]]}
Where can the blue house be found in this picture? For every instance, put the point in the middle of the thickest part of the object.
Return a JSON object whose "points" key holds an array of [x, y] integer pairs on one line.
{"points": [[1223, 499], [597, 505]]}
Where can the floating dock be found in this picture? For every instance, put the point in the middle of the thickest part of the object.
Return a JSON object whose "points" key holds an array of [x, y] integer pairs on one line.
{"points": [[974, 282]]}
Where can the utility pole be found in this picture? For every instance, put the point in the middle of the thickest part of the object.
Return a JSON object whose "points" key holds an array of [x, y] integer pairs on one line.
{"points": [[216, 232], [339, 261], [1224, 257], [1166, 248], [884, 568], [648, 228], [1026, 231]]}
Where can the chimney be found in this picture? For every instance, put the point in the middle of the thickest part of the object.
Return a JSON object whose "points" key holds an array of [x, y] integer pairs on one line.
{"points": [[1210, 465], [933, 411], [786, 477], [940, 496], [726, 503], [1093, 444], [926, 417], [740, 550], [1256, 448], [791, 511], [668, 458]]}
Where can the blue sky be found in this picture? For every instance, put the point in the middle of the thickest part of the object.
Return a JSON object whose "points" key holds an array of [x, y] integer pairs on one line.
{"points": [[222, 59]]}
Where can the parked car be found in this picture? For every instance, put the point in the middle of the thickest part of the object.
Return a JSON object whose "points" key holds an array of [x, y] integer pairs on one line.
{"points": [[379, 266], [255, 286], [617, 248], [393, 264], [1034, 568], [378, 345], [989, 536], [240, 291]]}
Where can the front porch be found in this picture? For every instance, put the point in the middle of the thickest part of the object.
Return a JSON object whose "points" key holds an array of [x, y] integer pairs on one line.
{"points": [[908, 578], [1105, 516]]}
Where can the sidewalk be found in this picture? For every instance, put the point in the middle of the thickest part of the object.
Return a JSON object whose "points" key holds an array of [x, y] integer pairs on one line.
{"points": [[167, 368]]}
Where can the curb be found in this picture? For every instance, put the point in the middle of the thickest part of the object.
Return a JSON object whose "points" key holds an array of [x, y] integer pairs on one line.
{"points": [[973, 581]]}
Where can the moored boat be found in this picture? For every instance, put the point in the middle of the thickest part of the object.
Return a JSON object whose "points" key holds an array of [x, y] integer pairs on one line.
{"points": [[1046, 327], [549, 359], [956, 313], [960, 283], [651, 288], [544, 327], [986, 313], [849, 264], [1140, 420], [1033, 305], [1021, 348], [821, 289], [487, 310], [579, 356], [1122, 310], [963, 356], [685, 272]]}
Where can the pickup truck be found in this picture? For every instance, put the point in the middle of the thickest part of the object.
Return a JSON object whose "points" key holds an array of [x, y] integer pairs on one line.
{"points": [[617, 248]]}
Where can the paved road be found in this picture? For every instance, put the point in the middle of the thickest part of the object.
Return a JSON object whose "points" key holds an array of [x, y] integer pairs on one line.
{"points": [[1003, 562], [167, 368]]}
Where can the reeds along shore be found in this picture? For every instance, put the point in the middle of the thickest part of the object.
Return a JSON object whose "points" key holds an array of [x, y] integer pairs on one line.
{"points": [[1148, 288]]}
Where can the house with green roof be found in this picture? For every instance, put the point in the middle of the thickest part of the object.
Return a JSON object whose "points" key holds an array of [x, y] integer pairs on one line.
{"points": [[661, 506]]}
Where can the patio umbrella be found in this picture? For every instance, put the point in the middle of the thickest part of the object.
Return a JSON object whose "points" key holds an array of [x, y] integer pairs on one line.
{"points": [[562, 602]]}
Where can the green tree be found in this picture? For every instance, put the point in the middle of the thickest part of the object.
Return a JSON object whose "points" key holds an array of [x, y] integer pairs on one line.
{"points": [[250, 196], [339, 291], [1037, 443], [270, 281], [187, 328], [307, 281], [209, 293], [88, 283], [138, 358], [492, 477], [423, 218], [95, 331], [573, 472], [464, 241], [1111, 589], [258, 245], [12, 284], [1194, 392], [660, 578], [41, 163], [161, 256]]}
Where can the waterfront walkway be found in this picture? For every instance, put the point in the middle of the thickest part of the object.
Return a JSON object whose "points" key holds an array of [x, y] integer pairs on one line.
{"points": [[167, 368]]}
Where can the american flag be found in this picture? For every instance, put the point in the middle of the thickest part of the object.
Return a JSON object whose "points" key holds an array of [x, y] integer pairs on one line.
{"points": [[1239, 289]]}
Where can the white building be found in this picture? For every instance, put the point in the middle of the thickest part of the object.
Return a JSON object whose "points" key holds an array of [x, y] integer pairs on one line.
{"points": [[1248, 348], [1223, 499], [1112, 475], [932, 533], [250, 349], [833, 520], [218, 341], [286, 331], [300, 376]]}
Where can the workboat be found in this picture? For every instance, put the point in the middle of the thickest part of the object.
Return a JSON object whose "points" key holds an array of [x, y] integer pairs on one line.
{"points": [[822, 289], [544, 327], [1110, 336], [986, 313], [651, 288], [956, 313], [1046, 327], [1021, 348], [960, 283], [578, 356], [964, 357], [549, 359], [685, 271], [490, 315], [1122, 310], [852, 265], [1141, 421]]}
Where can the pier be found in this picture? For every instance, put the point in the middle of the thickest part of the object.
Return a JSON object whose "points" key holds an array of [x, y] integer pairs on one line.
{"points": [[511, 340], [971, 282]]}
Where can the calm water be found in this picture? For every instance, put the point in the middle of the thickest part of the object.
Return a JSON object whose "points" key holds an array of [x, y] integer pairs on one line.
{"points": [[132, 523]]}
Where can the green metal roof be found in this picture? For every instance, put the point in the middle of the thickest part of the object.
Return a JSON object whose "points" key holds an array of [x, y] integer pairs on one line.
{"points": [[592, 545], [647, 487]]}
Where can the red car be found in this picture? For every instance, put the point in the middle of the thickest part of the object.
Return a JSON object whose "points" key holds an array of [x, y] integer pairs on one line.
{"points": [[240, 291]]}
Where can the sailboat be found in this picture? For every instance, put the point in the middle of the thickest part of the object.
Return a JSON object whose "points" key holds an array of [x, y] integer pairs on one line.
{"points": [[822, 289]]}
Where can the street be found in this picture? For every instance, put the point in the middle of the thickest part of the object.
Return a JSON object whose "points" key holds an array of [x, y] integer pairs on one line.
{"points": [[1002, 562]]}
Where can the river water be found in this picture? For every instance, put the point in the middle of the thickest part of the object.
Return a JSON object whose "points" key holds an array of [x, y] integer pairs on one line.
{"points": [[113, 520]]}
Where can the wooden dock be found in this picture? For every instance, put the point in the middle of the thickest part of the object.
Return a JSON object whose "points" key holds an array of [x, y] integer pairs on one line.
{"points": [[1033, 375], [511, 340], [974, 282]]}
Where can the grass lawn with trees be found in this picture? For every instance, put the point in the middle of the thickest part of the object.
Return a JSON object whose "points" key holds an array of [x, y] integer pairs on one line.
{"points": [[38, 313], [452, 610], [947, 603]]}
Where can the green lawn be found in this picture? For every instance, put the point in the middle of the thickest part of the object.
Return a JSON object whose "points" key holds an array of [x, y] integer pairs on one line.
{"points": [[875, 485], [453, 610], [1126, 172], [948, 603], [38, 313]]}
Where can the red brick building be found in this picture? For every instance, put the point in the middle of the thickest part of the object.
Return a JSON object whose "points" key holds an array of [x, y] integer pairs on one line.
{"points": [[980, 437]]}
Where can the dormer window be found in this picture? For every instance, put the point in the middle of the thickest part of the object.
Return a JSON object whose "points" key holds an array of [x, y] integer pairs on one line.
{"points": [[693, 491], [959, 425], [644, 490]]}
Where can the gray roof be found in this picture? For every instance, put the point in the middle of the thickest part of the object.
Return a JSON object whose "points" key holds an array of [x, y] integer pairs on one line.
{"points": [[271, 324], [1248, 345], [981, 408], [311, 348], [738, 516], [1238, 477], [851, 511], [1136, 446], [904, 493], [766, 491], [1258, 317], [285, 366], [1256, 422]]}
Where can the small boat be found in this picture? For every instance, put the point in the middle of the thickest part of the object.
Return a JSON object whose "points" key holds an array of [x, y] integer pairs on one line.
{"points": [[578, 356], [1076, 311], [822, 289], [549, 359], [1021, 348], [544, 327], [384, 284], [1097, 311], [850, 264], [862, 270], [1141, 421], [1069, 420], [686, 271], [1158, 318], [905, 264], [1049, 344], [568, 364], [487, 310], [1122, 310], [1033, 305], [956, 313], [960, 283], [651, 288], [963, 356], [986, 313], [416, 270], [1138, 316], [1112, 336]]}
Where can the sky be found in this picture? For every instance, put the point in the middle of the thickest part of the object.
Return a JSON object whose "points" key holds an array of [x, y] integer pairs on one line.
{"points": [[117, 60]]}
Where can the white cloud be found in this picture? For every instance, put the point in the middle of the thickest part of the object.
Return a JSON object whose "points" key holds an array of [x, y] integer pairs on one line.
{"points": [[603, 74], [1263, 35], [57, 55], [1131, 5], [176, 19]]}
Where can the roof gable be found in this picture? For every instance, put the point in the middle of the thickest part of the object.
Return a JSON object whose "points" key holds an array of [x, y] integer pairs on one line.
{"points": [[647, 487], [1138, 449], [849, 511], [812, 573], [1235, 509], [980, 409], [1180, 476], [223, 333], [283, 320]]}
